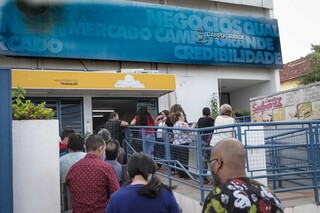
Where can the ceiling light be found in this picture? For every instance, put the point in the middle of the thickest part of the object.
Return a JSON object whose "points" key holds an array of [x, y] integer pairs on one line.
{"points": [[103, 110]]}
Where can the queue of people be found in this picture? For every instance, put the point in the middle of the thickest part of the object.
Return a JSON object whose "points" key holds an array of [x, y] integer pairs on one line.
{"points": [[95, 178], [101, 179], [91, 180]]}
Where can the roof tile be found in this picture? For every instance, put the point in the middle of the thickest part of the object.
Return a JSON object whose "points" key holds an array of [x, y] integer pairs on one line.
{"points": [[295, 69]]}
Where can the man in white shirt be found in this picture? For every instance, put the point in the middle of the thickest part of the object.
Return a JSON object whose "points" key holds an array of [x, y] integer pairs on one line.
{"points": [[75, 147]]}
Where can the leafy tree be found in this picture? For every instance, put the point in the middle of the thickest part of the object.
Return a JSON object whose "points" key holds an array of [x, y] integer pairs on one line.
{"points": [[314, 74]]}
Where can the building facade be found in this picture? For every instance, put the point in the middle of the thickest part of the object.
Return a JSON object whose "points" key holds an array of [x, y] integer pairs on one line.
{"points": [[293, 71], [87, 59]]}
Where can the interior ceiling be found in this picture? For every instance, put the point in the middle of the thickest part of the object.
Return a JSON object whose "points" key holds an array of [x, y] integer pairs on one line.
{"points": [[95, 93], [230, 85]]}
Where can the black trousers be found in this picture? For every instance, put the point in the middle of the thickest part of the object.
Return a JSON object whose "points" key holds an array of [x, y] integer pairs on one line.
{"points": [[181, 153]]}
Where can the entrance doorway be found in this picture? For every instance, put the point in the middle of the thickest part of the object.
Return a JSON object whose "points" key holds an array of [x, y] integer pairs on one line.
{"points": [[125, 107]]}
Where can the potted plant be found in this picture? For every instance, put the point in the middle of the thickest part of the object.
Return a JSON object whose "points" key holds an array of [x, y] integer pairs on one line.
{"points": [[214, 105], [35, 150]]}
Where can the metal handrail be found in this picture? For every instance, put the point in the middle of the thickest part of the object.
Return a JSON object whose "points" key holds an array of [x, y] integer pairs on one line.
{"points": [[279, 166]]}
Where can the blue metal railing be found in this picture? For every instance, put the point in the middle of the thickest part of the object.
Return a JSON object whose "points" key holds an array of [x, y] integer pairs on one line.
{"points": [[286, 155], [243, 119]]}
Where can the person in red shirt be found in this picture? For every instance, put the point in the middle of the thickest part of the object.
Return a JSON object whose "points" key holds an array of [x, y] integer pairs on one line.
{"points": [[91, 180], [63, 144], [143, 118]]}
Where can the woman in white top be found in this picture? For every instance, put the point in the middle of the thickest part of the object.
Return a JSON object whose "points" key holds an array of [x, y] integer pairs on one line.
{"points": [[223, 119], [181, 137], [161, 122]]}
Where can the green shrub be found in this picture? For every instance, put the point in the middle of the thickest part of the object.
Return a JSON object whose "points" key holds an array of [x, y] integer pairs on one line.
{"points": [[241, 112], [25, 110], [214, 105]]}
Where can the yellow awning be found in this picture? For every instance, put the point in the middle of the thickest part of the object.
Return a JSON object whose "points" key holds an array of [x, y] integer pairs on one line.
{"points": [[51, 79]]}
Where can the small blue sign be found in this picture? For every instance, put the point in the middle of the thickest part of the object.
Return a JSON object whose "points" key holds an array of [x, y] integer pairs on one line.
{"points": [[131, 31]]}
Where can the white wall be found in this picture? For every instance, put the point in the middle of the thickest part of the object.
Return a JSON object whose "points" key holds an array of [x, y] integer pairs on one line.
{"points": [[194, 93], [240, 99], [253, 3], [35, 154], [194, 88], [275, 81], [196, 84], [256, 8]]}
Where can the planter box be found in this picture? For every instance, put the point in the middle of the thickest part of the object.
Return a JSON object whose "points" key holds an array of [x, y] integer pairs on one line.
{"points": [[35, 153]]}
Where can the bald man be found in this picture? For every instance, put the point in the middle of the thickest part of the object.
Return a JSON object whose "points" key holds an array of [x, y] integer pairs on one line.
{"points": [[234, 191]]}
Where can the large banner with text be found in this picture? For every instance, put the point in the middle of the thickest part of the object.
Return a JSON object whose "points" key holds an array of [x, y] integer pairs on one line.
{"points": [[131, 31]]}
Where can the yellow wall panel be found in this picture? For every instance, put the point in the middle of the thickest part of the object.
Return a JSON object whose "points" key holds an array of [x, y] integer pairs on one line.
{"points": [[91, 80]]}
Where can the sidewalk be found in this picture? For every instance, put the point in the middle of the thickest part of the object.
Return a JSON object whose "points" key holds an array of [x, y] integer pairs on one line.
{"points": [[295, 201]]}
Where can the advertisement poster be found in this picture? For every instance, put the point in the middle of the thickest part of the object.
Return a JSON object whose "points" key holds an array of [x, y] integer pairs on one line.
{"points": [[302, 103]]}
